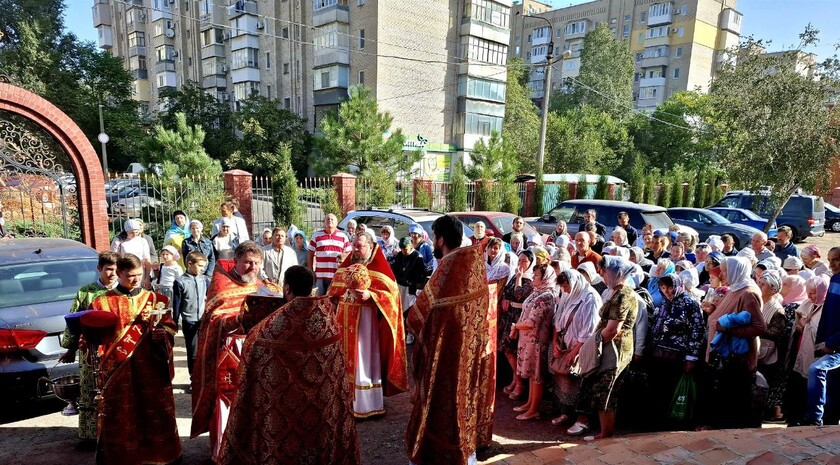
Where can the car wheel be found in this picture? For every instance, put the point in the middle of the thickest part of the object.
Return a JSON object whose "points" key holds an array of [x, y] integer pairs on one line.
{"points": [[835, 226]]}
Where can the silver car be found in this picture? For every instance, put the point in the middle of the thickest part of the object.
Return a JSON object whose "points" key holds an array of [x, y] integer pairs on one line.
{"points": [[38, 280]]}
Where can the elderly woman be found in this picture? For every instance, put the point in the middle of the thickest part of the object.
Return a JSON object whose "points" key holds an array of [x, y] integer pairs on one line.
{"points": [[812, 259], [615, 328], [802, 347], [676, 338], [517, 289], [534, 333], [560, 231], [480, 233], [497, 266], [663, 267], [619, 236], [587, 270], [729, 394], [575, 319], [517, 243], [775, 339], [388, 242], [637, 256]]}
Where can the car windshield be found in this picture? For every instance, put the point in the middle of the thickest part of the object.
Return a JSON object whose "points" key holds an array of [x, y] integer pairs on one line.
{"points": [[716, 217], [752, 215], [659, 220], [563, 213], [505, 225], [40, 282]]}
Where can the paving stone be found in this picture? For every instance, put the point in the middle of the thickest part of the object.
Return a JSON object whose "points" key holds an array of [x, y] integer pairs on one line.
{"points": [[700, 445], [551, 453], [716, 456], [582, 454], [829, 440], [748, 445], [648, 448], [770, 458], [672, 455], [798, 452], [527, 458], [824, 458]]}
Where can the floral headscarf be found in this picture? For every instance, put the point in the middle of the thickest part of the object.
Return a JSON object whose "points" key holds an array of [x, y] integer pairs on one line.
{"points": [[676, 281], [773, 279]]}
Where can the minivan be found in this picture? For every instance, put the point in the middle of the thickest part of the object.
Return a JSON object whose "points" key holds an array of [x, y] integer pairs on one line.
{"points": [[804, 214]]}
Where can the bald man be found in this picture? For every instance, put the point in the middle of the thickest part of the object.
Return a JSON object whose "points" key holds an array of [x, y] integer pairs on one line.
{"points": [[757, 244], [584, 252]]}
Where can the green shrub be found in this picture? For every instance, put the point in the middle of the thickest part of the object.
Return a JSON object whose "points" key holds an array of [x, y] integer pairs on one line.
{"points": [[456, 197]]}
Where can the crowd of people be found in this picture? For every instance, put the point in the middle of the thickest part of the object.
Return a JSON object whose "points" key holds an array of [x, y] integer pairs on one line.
{"points": [[320, 329]]}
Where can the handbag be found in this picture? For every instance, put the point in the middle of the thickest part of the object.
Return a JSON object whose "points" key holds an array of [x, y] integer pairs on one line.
{"points": [[559, 365], [767, 353], [589, 357], [685, 394]]}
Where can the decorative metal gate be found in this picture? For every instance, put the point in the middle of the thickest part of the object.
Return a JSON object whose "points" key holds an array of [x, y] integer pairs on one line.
{"points": [[38, 194]]}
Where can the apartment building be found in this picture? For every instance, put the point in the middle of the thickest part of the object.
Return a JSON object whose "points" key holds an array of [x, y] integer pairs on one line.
{"points": [[437, 66], [677, 45]]}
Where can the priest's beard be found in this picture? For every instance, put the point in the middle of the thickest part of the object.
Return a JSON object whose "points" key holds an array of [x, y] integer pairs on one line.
{"points": [[438, 253], [248, 278]]}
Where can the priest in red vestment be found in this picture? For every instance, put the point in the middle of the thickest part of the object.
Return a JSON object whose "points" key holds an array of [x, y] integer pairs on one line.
{"points": [[370, 318], [137, 411], [220, 339], [293, 404], [450, 324]]}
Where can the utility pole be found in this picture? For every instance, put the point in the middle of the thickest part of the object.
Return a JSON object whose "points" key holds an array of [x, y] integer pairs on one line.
{"points": [[103, 139]]}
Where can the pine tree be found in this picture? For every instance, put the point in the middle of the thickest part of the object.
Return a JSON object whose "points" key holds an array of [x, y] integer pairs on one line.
{"points": [[456, 197], [286, 208], [181, 151], [699, 189], [602, 189]]}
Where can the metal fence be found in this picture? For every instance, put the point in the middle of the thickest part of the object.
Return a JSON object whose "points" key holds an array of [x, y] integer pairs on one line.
{"points": [[382, 194], [317, 197], [262, 205], [153, 200]]}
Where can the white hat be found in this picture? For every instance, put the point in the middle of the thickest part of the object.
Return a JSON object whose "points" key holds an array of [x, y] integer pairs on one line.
{"points": [[199, 223], [132, 225], [172, 250], [793, 263]]}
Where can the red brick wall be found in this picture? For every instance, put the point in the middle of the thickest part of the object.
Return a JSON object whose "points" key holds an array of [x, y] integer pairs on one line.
{"points": [[90, 183]]}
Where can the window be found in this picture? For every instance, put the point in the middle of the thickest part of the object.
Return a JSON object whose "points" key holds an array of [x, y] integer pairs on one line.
{"points": [[267, 60], [626, 18], [641, 39], [361, 39], [679, 52], [684, 10], [243, 90], [325, 79], [474, 48], [284, 33], [542, 32], [484, 125], [287, 103], [484, 89], [571, 65], [245, 58], [626, 32], [361, 2], [268, 91], [676, 73], [643, 17], [137, 39], [285, 68], [141, 63], [211, 37], [578, 27], [205, 8], [330, 77], [165, 52], [487, 11], [321, 4], [636, 77], [332, 36], [655, 32], [659, 9], [361, 77], [655, 52], [680, 31]]}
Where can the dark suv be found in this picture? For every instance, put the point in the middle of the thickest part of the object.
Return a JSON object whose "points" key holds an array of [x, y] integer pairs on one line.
{"points": [[38, 280], [804, 214], [398, 218]]}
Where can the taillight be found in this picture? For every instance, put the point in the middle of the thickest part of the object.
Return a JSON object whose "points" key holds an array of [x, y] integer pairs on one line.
{"points": [[811, 221], [12, 340]]}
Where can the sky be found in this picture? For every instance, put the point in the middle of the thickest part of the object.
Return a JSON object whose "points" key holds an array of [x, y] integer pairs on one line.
{"points": [[780, 21]]}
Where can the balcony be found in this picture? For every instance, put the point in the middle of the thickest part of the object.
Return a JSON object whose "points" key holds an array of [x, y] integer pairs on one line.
{"points": [[331, 14], [161, 13], [654, 62], [245, 75], [331, 56], [163, 66], [660, 19], [129, 4], [139, 74], [243, 40], [212, 51], [137, 51], [167, 80], [214, 82], [731, 20], [106, 38], [206, 21], [652, 82], [242, 7], [101, 14], [658, 41], [484, 31]]}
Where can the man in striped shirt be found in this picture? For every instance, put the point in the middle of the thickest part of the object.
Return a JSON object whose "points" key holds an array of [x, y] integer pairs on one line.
{"points": [[327, 250]]}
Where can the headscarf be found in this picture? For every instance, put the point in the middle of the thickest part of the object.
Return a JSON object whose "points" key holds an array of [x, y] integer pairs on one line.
{"points": [[793, 263], [549, 282], [806, 274], [797, 293], [173, 251], [175, 229], [679, 286], [811, 250], [616, 271], [738, 273], [690, 279], [715, 242], [392, 238], [820, 283], [685, 265], [521, 243], [625, 242], [589, 269], [497, 269], [669, 267], [771, 263], [747, 253], [636, 277], [622, 252], [562, 255], [562, 241], [132, 225], [579, 291], [774, 279], [536, 239], [638, 253], [607, 250], [299, 232], [717, 257], [542, 255]]}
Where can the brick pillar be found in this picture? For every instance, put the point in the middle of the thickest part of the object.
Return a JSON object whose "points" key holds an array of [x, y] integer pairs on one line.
{"points": [[238, 186], [835, 196], [424, 184], [530, 188], [573, 188], [345, 189]]}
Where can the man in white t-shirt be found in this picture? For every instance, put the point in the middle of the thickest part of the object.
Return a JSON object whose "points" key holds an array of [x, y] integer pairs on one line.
{"points": [[239, 228], [137, 245]]}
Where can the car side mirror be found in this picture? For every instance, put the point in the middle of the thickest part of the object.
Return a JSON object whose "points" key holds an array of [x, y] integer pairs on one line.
{"points": [[547, 218]]}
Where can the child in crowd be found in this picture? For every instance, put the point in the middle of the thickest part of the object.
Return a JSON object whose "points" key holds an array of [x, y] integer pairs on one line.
{"points": [[189, 293], [715, 293], [169, 271]]}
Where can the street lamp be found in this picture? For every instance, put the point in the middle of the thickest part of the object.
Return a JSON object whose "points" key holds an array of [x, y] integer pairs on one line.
{"points": [[103, 139]]}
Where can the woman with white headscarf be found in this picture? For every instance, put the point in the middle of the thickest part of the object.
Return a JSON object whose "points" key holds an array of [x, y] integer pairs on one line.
{"points": [[388, 241], [729, 394], [497, 267], [534, 334], [615, 328], [575, 319], [517, 289]]}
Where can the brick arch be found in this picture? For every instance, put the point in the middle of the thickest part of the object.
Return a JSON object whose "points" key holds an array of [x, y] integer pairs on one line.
{"points": [[93, 210]]}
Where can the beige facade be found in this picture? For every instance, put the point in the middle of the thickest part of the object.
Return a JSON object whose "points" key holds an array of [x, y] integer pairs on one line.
{"points": [[438, 66], [677, 45]]}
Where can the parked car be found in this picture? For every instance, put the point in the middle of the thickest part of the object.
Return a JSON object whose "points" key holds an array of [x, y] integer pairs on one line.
{"points": [[398, 218], [133, 206], [498, 223], [38, 281], [804, 214], [746, 217], [136, 169], [707, 223], [832, 217], [571, 211]]}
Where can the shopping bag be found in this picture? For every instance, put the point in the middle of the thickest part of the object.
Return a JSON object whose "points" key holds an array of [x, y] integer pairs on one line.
{"points": [[682, 403]]}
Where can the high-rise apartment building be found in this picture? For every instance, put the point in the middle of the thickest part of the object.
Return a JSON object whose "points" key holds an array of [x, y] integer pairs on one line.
{"points": [[677, 44], [437, 66]]}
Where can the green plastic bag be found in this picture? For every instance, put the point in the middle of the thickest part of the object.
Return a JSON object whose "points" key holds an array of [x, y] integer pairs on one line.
{"points": [[682, 403]]}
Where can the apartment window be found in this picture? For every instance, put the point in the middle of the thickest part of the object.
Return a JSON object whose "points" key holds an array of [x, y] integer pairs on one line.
{"points": [[244, 90], [285, 68], [487, 11], [325, 79], [684, 10], [137, 39], [245, 58], [361, 39], [626, 32], [676, 73], [641, 39], [612, 30], [660, 9], [330, 77], [484, 125], [320, 4], [284, 33], [333, 35], [578, 27], [484, 89], [639, 57], [205, 8], [474, 48], [361, 77], [613, 20], [643, 17], [679, 52], [655, 32], [571, 65], [361, 2], [626, 18], [542, 32], [165, 52], [680, 31], [287, 103], [636, 77], [655, 52], [657, 73], [268, 91], [267, 60]]}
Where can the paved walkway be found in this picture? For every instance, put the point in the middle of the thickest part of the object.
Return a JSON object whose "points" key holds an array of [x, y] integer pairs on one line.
{"points": [[780, 446]]}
